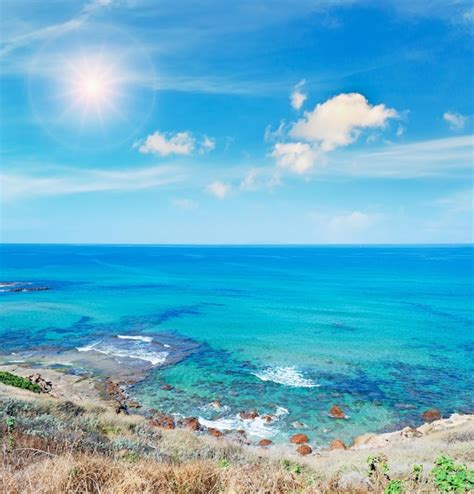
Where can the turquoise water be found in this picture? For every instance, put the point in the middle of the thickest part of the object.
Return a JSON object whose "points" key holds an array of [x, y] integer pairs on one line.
{"points": [[384, 332]]}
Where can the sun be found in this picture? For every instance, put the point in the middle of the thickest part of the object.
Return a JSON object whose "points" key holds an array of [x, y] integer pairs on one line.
{"points": [[93, 86]]}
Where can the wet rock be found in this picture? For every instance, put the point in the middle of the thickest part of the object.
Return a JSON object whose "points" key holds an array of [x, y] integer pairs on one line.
{"points": [[338, 444], [241, 432], [216, 404], [163, 422], [298, 425], [431, 415], [253, 414], [265, 442], [167, 387], [304, 450], [45, 386], [336, 412], [299, 439], [192, 423], [267, 418], [214, 432]]}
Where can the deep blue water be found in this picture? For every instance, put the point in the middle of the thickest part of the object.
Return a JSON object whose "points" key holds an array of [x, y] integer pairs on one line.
{"points": [[384, 332]]}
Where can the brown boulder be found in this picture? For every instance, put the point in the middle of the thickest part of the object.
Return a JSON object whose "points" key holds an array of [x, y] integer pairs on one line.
{"points": [[337, 412], [192, 423], [338, 444], [299, 439], [216, 404], [253, 414], [163, 422], [304, 450], [431, 415], [44, 385], [133, 404], [214, 432], [267, 418], [265, 442]]}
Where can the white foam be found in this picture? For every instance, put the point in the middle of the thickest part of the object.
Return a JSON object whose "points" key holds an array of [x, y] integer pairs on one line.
{"points": [[256, 427], [155, 358], [146, 339], [166, 346], [288, 376]]}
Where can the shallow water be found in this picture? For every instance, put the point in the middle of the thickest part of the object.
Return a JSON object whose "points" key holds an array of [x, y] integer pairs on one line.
{"points": [[384, 332]]}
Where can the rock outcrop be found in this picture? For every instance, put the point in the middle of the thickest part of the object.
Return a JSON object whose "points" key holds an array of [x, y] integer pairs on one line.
{"points": [[299, 439]]}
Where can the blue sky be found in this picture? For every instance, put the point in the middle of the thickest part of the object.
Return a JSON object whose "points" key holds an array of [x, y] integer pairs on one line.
{"points": [[302, 121]]}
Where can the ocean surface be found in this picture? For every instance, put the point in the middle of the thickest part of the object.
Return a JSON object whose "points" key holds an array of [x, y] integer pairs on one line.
{"points": [[383, 332]]}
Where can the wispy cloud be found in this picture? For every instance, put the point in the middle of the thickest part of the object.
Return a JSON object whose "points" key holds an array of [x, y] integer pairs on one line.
{"points": [[219, 189], [455, 120], [298, 97], [433, 158], [66, 181]]}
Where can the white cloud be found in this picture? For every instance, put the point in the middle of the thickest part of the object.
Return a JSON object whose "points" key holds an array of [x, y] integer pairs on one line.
{"points": [[181, 143], [218, 189], [157, 143], [297, 97], [339, 121], [207, 144], [456, 121], [295, 157], [67, 181], [185, 204]]}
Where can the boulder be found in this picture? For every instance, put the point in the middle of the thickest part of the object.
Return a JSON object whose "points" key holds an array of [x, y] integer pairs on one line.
{"points": [[265, 442], [299, 439], [167, 387], [214, 432], [192, 423], [45, 386], [163, 422], [133, 404], [304, 450], [336, 412], [431, 415], [253, 414], [338, 444], [267, 418], [216, 404]]}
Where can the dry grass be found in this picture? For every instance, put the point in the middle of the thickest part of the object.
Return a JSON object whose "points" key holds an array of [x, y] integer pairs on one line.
{"points": [[56, 447]]}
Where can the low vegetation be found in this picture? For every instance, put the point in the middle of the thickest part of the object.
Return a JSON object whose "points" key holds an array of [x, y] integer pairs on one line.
{"points": [[53, 446], [18, 381]]}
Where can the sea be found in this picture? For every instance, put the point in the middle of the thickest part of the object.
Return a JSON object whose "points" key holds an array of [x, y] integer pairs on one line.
{"points": [[384, 332]]}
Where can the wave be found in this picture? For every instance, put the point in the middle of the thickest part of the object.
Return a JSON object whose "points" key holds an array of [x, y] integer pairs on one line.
{"points": [[257, 427], [147, 339], [134, 350], [288, 376]]}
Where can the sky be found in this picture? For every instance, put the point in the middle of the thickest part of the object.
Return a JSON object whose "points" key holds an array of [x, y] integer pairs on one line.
{"points": [[251, 121]]}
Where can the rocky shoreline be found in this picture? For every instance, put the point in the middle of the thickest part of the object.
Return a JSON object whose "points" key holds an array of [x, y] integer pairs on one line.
{"points": [[112, 394]]}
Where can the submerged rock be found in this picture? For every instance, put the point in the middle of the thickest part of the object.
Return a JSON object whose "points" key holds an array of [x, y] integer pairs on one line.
{"points": [[167, 387], [267, 418], [216, 404], [336, 412], [253, 414], [431, 415], [299, 439], [304, 450]]}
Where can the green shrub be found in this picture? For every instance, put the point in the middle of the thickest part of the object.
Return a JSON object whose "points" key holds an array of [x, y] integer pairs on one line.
{"points": [[394, 487], [18, 382], [452, 477]]}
